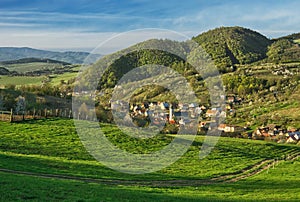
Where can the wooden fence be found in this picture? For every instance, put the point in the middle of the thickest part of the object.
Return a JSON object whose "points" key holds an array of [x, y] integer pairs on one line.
{"points": [[11, 116], [6, 115]]}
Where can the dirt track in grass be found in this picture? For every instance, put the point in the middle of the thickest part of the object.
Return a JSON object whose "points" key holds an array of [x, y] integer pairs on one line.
{"points": [[228, 178]]}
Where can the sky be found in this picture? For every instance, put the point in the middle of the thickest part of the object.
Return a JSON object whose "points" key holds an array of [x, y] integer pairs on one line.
{"points": [[84, 24]]}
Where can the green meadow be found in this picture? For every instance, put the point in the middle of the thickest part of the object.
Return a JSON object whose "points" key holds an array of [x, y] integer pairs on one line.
{"points": [[43, 160], [21, 80]]}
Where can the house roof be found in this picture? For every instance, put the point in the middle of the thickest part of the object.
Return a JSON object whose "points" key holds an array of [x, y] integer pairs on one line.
{"points": [[210, 111], [294, 138]]}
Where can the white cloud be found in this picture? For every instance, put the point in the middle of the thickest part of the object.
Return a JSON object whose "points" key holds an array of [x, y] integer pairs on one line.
{"points": [[7, 24], [107, 42], [53, 40], [54, 30]]}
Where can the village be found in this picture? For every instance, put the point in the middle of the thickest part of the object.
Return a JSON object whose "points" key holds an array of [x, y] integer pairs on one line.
{"points": [[180, 115]]}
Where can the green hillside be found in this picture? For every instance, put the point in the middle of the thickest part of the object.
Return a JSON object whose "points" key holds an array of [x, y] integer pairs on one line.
{"points": [[285, 50], [233, 45], [32, 66], [139, 55], [228, 47], [293, 37], [21, 80], [236, 169]]}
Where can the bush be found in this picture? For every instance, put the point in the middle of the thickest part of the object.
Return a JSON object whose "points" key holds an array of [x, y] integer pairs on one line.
{"points": [[170, 129]]}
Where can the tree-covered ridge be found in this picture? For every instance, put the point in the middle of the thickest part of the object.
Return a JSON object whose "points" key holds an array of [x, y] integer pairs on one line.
{"points": [[233, 45], [136, 59], [284, 50], [291, 37], [152, 52], [229, 47]]}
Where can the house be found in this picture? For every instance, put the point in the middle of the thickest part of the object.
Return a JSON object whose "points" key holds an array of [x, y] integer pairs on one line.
{"points": [[212, 113], [293, 139], [183, 106], [230, 128], [226, 128], [261, 132], [203, 107], [273, 127], [293, 133], [268, 131], [193, 105], [164, 105], [153, 105], [231, 99], [198, 111], [204, 126], [223, 114]]}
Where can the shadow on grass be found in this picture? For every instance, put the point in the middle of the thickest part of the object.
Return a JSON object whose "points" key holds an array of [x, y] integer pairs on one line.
{"points": [[18, 187]]}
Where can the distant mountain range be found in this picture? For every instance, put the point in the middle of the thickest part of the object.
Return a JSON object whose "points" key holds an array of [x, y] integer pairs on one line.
{"points": [[12, 53]]}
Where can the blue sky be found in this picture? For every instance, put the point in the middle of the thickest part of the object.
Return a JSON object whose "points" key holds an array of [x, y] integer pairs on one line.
{"points": [[78, 24]]}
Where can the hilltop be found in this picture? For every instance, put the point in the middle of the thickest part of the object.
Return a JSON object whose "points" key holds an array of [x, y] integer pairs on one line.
{"points": [[229, 46]]}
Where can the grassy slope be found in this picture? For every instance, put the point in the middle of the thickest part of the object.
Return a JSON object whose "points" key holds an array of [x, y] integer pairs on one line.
{"points": [[56, 79], [297, 41], [21, 80], [280, 184], [35, 80], [52, 146], [34, 66], [44, 146]]}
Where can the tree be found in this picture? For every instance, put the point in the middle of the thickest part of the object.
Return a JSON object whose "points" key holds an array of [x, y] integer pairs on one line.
{"points": [[21, 104], [9, 101], [241, 90]]}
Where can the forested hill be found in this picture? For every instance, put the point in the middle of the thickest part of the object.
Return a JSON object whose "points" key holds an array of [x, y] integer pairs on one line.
{"points": [[12, 53], [229, 47], [285, 49], [234, 45]]}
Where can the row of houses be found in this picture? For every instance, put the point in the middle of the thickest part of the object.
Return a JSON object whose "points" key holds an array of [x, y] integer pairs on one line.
{"points": [[179, 113], [169, 110], [182, 114], [273, 131]]}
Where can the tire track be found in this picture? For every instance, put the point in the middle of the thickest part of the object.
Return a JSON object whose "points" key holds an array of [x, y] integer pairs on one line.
{"points": [[228, 178]]}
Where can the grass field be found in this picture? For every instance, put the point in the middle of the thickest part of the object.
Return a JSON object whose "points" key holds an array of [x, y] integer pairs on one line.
{"points": [[21, 80], [279, 184], [56, 79], [34, 66], [53, 147], [297, 41], [35, 80]]}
